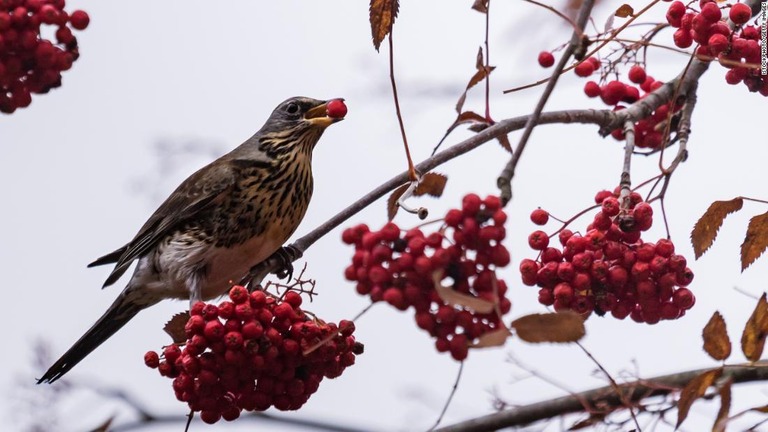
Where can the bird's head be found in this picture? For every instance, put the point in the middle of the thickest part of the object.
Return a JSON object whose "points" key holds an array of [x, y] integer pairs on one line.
{"points": [[300, 121]]}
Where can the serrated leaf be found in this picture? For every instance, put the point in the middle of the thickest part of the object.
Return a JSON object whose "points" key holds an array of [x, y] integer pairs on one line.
{"points": [[755, 241], [175, 327], [706, 228], [455, 298], [382, 17], [725, 407], [431, 184], [492, 339], [755, 331], [695, 389], [558, 327], [624, 11], [716, 341], [392, 206], [480, 6]]}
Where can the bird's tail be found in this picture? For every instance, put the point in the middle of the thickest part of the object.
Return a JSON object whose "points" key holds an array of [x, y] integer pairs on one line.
{"points": [[122, 310]]}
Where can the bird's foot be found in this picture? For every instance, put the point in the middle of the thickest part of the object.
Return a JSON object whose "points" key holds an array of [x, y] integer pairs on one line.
{"points": [[279, 263], [285, 257]]}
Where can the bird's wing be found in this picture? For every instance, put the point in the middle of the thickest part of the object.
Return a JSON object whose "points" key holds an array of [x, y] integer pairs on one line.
{"points": [[203, 189]]}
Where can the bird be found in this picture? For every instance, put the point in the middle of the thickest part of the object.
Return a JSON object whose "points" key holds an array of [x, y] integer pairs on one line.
{"points": [[220, 222]]}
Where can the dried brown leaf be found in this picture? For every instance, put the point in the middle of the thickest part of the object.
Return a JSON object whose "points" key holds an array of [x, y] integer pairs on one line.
{"points": [[694, 390], [104, 427], [175, 327], [762, 409], [557, 327], [504, 141], [431, 184], [624, 11], [392, 206], [492, 339], [480, 6], [716, 341], [755, 331], [455, 298], [725, 407], [382, 17], [755, 241], [705, 230], [590, 421]]}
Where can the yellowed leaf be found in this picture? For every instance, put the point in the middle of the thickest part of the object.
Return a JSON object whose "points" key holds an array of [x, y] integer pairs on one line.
{"points": [[705, 230], [725, 407], [556, 327], [175, 327], [716, 341], [392, 206], [491, 339], [694, 390], [755, 331], [455, 298], [431, 184], [382, 17], [755, 241], [624, 11]]}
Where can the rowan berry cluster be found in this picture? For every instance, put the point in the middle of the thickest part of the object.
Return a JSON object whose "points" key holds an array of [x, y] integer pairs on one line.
{"points": [[408, 269], [737, 50], [610, 269], [648, 131], [28, 63], [254, 352]]}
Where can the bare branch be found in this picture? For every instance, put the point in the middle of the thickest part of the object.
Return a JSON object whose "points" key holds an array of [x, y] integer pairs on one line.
{"points": [[605, 397]]}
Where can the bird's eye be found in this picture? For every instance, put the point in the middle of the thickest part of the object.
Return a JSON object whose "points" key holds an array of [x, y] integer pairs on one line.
{"points": [[292, 108]]}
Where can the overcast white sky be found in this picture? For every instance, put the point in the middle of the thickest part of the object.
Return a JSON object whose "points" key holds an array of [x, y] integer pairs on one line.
{"points": [[80, 172]]}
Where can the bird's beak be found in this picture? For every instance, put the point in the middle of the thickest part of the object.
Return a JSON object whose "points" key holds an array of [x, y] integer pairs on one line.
{"points": [[318, 116]]}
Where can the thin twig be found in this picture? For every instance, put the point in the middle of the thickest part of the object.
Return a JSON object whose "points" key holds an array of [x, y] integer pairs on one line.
{"points": [[504, 182], [627, 404], [450, 396]]}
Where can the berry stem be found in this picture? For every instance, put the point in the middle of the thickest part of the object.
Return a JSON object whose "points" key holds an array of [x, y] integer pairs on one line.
{"points": [[411, 170]]}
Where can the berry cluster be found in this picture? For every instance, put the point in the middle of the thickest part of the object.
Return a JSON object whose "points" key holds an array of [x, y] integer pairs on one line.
{"points": [[253, 352], [29, 63], [648, 131], [610, 269], [405, 269], [737, 50]]}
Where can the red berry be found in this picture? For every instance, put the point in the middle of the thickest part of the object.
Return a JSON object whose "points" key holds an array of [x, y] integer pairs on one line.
{"points": [[584, 69], [682, 38], [539, 216], [336, 108], [711, 12], [592, 89], [538, 240], [151, 359], [79, 19], [717, 43], [740, 13], [637, 74], [546, 59], [613, 92], [470, 204]]}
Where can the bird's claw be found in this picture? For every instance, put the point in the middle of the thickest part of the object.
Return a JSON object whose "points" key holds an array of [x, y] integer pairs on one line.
{"points": [[286, 255]]}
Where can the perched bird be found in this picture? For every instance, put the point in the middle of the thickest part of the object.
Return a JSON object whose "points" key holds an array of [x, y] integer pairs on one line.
{"points": [[227, 217]]}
